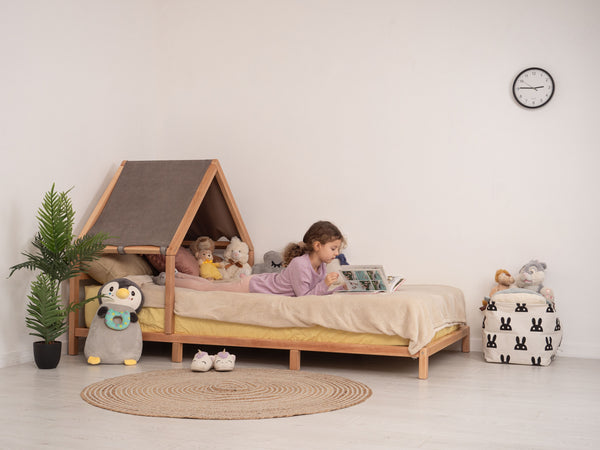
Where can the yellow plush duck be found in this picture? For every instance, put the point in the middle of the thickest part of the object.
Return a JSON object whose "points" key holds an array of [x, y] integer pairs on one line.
{"points": [[208, 268]]}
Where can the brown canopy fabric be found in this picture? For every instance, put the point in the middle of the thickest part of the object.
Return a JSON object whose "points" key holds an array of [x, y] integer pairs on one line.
{"points": [[161, 203]]}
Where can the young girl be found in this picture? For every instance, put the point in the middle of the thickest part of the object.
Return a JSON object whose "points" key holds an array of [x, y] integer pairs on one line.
{"points": [[305, 271]]}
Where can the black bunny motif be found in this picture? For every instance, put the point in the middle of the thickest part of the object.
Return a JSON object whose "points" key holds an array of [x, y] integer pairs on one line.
{"points": [[557, 327], [548, 347], [483, 324], [491, 343], [536, 363], [505, 326], [492, 306], [538, 327], [549, 309], [503, 361], [520, 344], [521, 308]]}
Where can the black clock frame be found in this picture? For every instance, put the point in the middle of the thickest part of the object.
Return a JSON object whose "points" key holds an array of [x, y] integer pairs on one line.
{"points": [[527, 70]]}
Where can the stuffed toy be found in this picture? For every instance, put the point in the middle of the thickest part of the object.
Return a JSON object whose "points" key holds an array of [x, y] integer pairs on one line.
{"points": [[235, 260], [115, 336], [272, 263], [531, 276], [204, 243], [208, 268], [342, 259], [504, 281]]}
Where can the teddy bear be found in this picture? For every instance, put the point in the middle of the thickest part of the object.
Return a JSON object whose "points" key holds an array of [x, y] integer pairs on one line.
{"points": [[208, 268], [235, 260], [203, 249], [531, 276], [204, 243], [272, 263], [504, 281]]}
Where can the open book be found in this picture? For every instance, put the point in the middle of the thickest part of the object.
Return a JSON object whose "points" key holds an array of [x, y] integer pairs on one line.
{"points": [[367, 278]]}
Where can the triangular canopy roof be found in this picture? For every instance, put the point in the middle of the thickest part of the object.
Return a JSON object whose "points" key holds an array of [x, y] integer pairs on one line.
{"points": [[155, 206]]}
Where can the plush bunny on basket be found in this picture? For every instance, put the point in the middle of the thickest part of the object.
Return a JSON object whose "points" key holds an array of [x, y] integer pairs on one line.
{"points": [[531, 276]]}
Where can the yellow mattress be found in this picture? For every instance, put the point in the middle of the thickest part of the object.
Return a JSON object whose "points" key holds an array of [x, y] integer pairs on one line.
{"points": [[153, 319]]}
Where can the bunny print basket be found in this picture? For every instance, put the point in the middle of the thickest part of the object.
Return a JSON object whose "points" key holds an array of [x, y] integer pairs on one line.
{"points": [[519, 328]]}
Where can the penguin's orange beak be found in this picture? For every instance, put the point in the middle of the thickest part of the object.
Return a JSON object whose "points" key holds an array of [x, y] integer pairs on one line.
{"points": [[123, 293]]}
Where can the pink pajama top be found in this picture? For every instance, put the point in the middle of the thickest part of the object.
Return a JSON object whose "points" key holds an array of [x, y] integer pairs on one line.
{"points": [[297, 279]]}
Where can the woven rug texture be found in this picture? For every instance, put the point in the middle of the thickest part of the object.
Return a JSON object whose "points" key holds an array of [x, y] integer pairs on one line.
{"points": [[243, 393]]}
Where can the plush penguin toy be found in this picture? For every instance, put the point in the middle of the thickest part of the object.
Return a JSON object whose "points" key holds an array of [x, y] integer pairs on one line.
{"points": [[115, 336]]}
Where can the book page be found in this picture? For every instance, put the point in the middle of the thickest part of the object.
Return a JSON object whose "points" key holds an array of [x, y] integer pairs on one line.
{"points": [[363, 278]]}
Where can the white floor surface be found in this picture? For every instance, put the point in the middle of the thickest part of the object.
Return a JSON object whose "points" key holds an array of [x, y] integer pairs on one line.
{"points": [[465, 404]]}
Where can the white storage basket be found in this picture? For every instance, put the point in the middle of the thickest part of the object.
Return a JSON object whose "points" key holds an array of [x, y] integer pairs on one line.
{"points": [[518, 332]]}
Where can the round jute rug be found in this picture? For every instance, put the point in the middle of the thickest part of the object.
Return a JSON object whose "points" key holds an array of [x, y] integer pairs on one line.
{"points": [[239, 394]]}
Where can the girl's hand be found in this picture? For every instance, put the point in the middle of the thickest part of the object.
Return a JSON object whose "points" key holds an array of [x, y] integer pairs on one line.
{"points": [[331, 278]]}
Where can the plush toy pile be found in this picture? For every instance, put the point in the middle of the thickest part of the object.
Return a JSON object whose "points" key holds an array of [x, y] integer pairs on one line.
{"points": [[520, 324], [203, 249], [530, 277]]}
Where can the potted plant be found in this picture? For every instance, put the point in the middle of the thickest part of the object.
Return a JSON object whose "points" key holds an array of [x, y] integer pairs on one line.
{"points": [[58, 256]]}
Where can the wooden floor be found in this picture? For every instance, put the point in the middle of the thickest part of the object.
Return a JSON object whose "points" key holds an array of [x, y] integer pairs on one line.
{"points": [[465, 404]]}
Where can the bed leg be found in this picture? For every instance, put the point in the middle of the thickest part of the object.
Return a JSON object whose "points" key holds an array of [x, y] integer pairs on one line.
{"points": [[466, 342], [294, 359], [177, 352], [73, 346], [73, 341], [423, 364]]}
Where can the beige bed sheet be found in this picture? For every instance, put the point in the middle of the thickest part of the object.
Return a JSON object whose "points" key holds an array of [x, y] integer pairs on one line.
{"points": [[414, 312]]}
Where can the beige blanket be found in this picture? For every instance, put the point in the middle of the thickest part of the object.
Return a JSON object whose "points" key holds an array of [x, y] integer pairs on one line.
{"points": [[415, 312]]}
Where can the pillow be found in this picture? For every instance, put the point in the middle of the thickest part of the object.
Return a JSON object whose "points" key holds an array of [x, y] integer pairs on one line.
{"points": [[109, 267], [91, 307], [519, 295], [185, 262]]}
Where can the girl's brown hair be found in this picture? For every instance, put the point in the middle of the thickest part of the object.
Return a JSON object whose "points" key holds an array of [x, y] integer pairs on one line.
{"points": [[322, 231]]}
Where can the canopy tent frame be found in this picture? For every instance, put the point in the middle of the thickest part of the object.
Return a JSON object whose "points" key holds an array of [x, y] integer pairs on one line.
{"points": [[155, 207]]}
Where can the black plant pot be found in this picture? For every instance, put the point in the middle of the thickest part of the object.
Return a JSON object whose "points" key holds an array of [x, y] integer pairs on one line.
{"points": [[47, 356]]}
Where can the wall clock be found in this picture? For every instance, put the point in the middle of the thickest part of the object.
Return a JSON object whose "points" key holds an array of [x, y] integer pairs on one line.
{"points": [[533, 87]]}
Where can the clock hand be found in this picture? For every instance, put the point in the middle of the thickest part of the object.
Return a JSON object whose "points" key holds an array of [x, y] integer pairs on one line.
{"points": [[535, 88]]}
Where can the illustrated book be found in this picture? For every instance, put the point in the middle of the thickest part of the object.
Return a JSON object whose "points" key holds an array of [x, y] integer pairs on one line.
{"points": [[367, 278]]}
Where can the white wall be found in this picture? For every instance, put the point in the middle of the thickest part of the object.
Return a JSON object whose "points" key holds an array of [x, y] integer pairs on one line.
{"points": [[78, 85], [394, 119]]}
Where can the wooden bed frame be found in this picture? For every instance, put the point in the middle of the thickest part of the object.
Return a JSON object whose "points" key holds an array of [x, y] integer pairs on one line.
{"points": [[209, 192], [294, 347]]}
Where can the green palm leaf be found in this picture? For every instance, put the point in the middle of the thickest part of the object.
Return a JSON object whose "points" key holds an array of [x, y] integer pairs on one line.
{"points": [[58, 256]]}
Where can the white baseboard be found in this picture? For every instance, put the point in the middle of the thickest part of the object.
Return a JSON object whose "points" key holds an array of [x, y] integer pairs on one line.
{"points": [[16, 358], [25, 355]]}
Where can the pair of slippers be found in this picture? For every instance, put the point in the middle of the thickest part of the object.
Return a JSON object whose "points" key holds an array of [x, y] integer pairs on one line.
{"points": [[221, 362]]}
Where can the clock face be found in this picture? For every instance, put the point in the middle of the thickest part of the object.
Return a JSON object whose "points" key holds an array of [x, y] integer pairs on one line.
{"points": [[533, 87]]}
